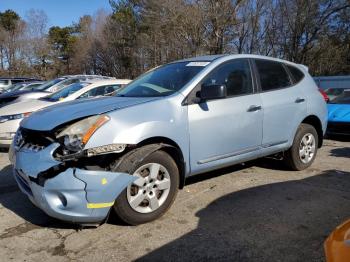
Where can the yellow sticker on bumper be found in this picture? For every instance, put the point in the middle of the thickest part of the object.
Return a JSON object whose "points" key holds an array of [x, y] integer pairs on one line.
{"points": [[99, 205], [104, 181]]}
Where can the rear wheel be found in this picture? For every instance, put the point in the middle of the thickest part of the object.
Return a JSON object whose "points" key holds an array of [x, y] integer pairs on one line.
{"points": [[304, 149], [154, 190]]}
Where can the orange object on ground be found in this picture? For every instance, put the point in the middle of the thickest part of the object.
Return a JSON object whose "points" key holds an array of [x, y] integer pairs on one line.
{"points": [[337, 245]]}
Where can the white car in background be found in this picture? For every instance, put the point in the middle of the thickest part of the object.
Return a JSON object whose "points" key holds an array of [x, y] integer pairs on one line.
{"points": [[12, 114], [70, 79], [46, 88], [7, 82], [24, 86]]}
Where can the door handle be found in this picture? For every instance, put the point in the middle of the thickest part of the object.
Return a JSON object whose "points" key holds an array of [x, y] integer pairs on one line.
{"points": [[299, 100], [254, 108]]}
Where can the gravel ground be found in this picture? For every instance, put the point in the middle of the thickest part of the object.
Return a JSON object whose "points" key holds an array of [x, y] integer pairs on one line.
{"points": [[253, 212]]}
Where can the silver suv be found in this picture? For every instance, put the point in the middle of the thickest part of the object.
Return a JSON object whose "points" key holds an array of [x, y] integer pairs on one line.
{"points": [[131, 153]]}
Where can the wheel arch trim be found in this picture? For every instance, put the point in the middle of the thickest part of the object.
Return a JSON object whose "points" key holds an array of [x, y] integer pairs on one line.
{"points": [[147, 146], [315, 121]]}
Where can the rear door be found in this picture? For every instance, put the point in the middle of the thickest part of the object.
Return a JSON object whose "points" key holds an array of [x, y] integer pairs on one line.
{"points": [[284, 103]]}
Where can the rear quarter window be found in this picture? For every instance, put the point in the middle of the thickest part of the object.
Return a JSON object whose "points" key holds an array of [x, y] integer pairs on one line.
{"points": [[296, 73], [272, 75]]}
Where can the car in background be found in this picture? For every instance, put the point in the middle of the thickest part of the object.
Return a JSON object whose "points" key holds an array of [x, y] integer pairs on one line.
{"points": [[339, 114], [12, 114], [24, 86], [132, 152], [22, 95], [46, 88], [325, 82], [332, 86], [7, 82], [337, 245], [333, 93], [70, 79]]}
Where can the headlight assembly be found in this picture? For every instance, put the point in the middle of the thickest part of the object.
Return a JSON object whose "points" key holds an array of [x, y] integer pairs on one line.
{"points": [[76, 136]]}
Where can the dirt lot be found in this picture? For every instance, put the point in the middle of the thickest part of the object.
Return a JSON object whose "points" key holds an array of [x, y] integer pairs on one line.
{"points": [[252, 212]]}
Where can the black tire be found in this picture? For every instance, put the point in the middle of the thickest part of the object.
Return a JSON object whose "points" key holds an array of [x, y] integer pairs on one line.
{"points": [[291, 157], [129, 165]]}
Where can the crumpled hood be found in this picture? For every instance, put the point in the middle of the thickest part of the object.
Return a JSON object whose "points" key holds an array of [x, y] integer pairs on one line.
{"points": [[55, 115], [338, 112]]}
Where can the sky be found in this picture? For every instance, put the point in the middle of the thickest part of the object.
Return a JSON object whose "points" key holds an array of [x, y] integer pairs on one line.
{"points": [[59, 12]]}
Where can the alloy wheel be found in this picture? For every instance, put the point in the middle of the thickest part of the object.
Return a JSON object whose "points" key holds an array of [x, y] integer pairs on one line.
{"points": [[150, 190]]}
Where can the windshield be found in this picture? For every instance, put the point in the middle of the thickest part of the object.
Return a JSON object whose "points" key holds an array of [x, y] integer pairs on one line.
{"points": [[32, 86], [49, 84], [15, 87], [65, 83], [65, 92], [163, 81], [344, 98]]}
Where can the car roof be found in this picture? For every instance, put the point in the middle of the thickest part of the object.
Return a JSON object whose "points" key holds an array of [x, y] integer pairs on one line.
{"points": [[87, 76], [206, 58], [100, 82], [211, 58]]}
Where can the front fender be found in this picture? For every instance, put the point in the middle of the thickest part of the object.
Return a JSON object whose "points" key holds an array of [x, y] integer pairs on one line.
{"points": [[163, 118]]}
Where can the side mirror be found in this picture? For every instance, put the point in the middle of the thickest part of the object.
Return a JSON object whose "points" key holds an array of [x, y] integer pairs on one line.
{"points": [[213, 92]]}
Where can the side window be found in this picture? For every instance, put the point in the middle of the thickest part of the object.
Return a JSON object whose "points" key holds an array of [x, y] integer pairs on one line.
{"points": [[272, 75], [111, 89], [100, 91], [235, 75], [296, 73], [91, 93]]}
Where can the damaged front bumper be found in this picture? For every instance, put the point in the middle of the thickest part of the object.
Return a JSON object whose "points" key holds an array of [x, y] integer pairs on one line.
{"points": [[69, 194]]}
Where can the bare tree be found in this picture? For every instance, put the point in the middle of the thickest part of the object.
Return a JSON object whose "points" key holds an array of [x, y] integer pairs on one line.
{"points": [[36, 42], [141, 34]]}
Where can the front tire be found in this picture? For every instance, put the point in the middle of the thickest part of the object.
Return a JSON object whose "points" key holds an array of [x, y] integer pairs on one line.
{"points": [[152, 194], [304, 149]]}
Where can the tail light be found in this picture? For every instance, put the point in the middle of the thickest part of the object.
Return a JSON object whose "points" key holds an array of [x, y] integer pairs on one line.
{"points": [[325, 96]]}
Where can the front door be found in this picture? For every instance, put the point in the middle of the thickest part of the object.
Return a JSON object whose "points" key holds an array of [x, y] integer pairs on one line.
{"points": [[229, 130]]}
